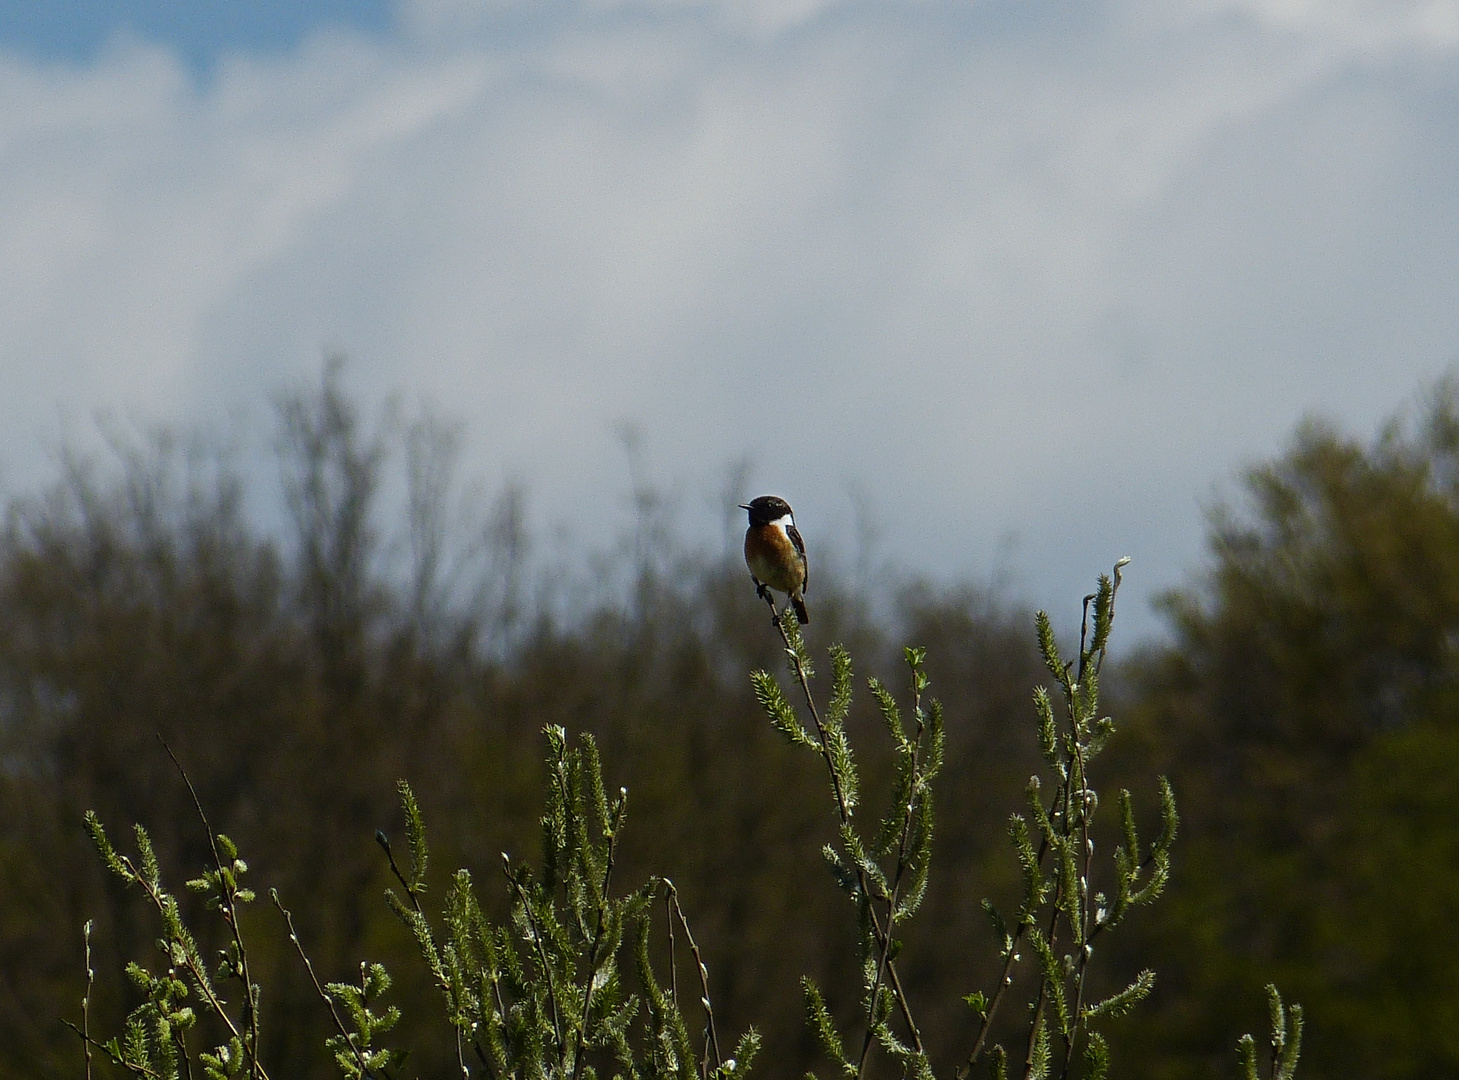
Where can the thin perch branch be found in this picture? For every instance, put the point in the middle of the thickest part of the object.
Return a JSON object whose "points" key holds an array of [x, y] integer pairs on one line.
{"points": [[882, 935], [318, 987]]}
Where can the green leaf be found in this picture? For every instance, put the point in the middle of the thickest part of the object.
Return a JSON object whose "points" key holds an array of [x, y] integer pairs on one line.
{"points": [[1042, 1055], [108, 853], [1000, 929], [1053, 977], [415, 831], [841, 685], [1049, 649], [891, 715], [1246, 1052], [998, 1063], [777, 709], [818, 1017], [1104, 596], [1096, 1057], [1121, 1003]]}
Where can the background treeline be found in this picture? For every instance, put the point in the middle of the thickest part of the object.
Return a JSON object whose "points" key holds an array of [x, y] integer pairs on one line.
{"points": [[1304, 710]]}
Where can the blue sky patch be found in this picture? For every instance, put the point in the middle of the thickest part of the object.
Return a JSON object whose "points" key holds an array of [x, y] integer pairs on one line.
{"points": [[199, 30]]}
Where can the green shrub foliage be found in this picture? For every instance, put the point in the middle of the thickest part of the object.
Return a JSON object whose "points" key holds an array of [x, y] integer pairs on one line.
{"points": [[566, 985], [544, 992], [1061, 914]]}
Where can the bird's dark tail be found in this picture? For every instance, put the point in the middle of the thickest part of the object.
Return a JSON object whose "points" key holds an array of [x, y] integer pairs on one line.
{"points": [[801, 614]]}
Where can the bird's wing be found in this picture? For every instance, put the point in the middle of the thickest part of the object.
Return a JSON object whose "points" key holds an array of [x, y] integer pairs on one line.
{"points": [[794, 534]]}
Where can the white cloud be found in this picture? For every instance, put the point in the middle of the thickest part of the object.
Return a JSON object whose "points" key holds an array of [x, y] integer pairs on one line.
{"points": [[444, 19], [1361, 25], [1001, 275]]}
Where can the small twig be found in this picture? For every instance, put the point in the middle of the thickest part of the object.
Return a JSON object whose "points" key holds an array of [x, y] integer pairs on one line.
{"points": [[1086, 936], [1083, 635], [541, 948], [1074, 768], [446, 987], [92, 1044], [1066, 791], [481, 1057], [805, 687], [1038, 1011], [229, 911], [673, 961], [501, 1011], [1082, 930], [1004, 982], [187, 1061], [318, 986], [190, 961], [582, 1047], [384, 842], [86, 998], [896, 879], [712, 1037], [1006, 979]]}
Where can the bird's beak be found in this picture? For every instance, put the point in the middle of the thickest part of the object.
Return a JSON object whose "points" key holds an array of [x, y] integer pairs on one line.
{"points": [[744, 506]]}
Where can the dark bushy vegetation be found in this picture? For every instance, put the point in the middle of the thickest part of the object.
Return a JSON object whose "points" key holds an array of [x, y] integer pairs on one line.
{"points": [[1301, 712], [298, 680], [1307, 711]]}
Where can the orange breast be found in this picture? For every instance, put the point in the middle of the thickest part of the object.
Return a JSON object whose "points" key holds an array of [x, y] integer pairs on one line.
{"points": [[772, 558]]}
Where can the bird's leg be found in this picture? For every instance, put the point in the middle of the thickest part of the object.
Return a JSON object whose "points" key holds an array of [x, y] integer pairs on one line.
{"points": [[763, 592]]}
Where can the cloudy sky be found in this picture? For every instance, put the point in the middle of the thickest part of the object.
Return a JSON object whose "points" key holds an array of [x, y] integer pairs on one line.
{"points": [[1018, 284]]}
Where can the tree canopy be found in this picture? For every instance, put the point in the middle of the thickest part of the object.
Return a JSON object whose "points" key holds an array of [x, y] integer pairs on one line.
{"points": [[1305, 709]]}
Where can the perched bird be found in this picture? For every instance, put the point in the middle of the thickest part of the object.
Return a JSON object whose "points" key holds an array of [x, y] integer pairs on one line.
{"points": [[775, 553]]}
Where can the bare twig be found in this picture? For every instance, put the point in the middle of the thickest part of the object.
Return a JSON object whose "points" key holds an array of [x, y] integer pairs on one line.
{"points": [[86, 998], [711, 1036], [92, 1044], [228, 908], [384, 842], [319, 987], [673, 961], [1004, 982], [1006, 979]]}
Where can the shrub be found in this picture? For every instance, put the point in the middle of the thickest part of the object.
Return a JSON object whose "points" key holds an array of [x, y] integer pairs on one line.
{"points": [[582, 979]]}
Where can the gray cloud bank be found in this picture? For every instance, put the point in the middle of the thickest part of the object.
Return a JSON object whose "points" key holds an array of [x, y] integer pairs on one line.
{"points": [[1036, 271]]}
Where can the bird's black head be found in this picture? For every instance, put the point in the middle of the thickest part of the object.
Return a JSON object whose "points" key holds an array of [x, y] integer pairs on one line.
{"points": [[766, 508]]}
